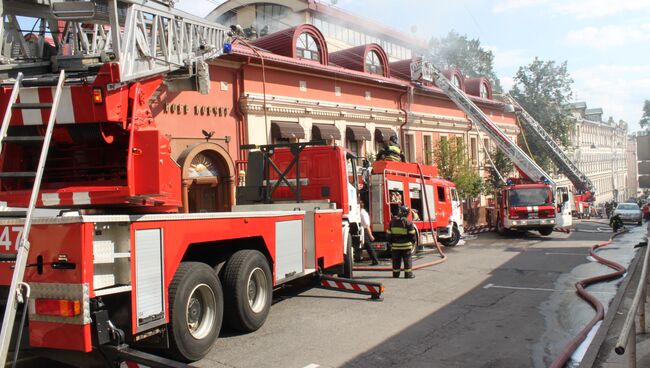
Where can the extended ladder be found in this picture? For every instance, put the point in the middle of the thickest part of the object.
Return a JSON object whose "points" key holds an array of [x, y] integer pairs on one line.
{"points": [[425, 70], [580, 181], [15, 294], [145, 37]]}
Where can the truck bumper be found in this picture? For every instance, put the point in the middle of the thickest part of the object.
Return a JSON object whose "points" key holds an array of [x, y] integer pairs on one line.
{"points": [[529, 224]]}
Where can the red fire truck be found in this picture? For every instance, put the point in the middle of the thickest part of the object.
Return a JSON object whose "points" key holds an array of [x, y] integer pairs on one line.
{"points": [[136, 256], [532, 202], [434, 203]]}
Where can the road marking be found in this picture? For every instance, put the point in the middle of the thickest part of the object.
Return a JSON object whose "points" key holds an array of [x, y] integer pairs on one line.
{"points": [[492, 286], [567, 254], [312, 365]]}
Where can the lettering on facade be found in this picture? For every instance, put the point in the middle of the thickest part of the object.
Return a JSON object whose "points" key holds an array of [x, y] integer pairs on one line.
{"points": [[198, 110]]}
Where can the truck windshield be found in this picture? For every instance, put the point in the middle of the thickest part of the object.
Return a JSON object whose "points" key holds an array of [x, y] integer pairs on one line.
{"points": [[530, 197]]}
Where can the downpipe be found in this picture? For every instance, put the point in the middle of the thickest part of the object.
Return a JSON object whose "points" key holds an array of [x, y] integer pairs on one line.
{"points": [[570, 347]]}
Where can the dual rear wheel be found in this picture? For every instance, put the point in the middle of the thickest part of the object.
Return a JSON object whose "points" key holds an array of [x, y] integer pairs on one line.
{"points": [[199, 303]]}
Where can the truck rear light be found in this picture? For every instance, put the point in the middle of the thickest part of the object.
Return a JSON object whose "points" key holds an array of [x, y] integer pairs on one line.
{"points": [[98, 96], [58, 307]]}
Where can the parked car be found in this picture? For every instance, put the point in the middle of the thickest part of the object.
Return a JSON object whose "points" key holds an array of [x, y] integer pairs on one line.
{"points": [[629, 212]]}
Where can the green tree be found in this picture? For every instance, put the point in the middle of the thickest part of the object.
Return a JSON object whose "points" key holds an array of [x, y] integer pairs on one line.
{"points": [[645, 119], [458, 51], [503, 165], [453, 164], [543, 88]]}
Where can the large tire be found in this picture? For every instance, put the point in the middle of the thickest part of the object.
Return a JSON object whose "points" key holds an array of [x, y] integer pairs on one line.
{"points": [[544, 231], [348, 260], [453, 240], [196, 311], [248, 286], [500, 228]]}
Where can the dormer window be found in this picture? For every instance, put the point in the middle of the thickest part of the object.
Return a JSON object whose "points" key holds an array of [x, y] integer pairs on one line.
{"points": [[484, 91], [455, 80], [307, 48], [374, 64]]}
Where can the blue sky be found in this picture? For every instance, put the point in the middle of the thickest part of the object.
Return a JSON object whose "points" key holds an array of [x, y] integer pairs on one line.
{"points": [[606, 42]]}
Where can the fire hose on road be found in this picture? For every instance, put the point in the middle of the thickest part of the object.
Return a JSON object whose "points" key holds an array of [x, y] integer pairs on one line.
{"points": [[569, 348]]}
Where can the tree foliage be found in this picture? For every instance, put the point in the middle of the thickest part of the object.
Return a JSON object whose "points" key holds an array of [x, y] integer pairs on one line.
{"points": [[453, 164], [503, 165], [457, 51], [543, 88], [645, 118]]}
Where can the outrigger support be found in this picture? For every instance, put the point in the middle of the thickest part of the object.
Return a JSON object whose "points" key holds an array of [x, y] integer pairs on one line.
{"points": [[374, 289]]}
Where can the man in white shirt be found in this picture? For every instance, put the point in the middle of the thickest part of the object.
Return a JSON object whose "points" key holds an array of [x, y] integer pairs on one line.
{"points": [[367, 237]]}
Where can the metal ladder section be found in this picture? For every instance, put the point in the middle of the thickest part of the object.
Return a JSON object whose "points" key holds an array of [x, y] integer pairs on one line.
{"points": [[145, 37], [580, 181], [424, 70], [15, 294]]}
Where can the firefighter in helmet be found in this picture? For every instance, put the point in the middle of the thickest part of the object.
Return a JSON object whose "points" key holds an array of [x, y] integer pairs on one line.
{"points": [[402, 238], [392, 151]]}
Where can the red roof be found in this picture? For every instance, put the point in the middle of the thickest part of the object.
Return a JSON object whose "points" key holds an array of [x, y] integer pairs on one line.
{"points": [[355, 58], [473, 86], [284, 42], [240, 49]]}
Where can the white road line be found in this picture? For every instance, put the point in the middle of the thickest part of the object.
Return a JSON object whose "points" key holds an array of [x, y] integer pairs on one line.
{"points": [[312, 365], [567, 254], [492, 286]]}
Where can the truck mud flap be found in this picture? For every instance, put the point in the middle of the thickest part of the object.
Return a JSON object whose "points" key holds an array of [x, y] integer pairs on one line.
{"points": [[374, 289]]}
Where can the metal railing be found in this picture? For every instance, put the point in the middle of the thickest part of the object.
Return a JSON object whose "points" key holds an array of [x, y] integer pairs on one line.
{"points": [[627, 339]]}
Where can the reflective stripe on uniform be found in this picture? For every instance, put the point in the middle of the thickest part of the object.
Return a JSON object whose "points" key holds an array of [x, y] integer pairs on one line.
{"points": [[398, 231], [394, 149]]}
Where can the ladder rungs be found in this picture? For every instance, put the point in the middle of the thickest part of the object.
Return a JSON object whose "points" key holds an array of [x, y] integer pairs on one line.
{"points": [[25, 138], [18, 174], [32, 106]]}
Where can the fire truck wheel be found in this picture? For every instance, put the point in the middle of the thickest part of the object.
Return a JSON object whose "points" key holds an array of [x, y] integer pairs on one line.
{"points": [[249, 290], [196, 311], [500, 228], [546, 231], [453, 240], [348, 260]]}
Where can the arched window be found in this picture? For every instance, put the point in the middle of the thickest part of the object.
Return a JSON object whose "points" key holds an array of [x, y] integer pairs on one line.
{"points": [[373, 63], [307, 48], [483, 93], [455, 81]]}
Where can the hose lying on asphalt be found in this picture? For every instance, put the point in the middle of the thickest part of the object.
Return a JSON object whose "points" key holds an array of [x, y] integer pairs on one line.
{"points": [[569, 348], [443, 257]]}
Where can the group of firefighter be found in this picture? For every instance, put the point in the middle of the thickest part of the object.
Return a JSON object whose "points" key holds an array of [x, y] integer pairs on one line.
{"points": [[401, 233]]}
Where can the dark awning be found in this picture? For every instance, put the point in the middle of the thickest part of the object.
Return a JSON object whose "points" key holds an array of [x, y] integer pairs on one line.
{"points": [[286, 130], [325, 131], [358, 133], [382, 135]]}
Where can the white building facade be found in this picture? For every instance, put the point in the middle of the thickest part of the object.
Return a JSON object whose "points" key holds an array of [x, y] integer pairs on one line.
{"points": [[599, 149]]}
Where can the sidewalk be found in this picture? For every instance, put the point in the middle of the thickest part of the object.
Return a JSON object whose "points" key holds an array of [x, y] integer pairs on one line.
{"points": [[606, 356]]}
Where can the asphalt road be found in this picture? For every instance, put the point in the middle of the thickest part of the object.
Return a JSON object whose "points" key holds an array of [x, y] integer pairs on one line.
{"points": [[496, 302]]}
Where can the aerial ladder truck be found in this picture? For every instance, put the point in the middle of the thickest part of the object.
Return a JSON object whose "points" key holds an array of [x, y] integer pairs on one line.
{"points": [[527, 203], [584, 188], [131, 261]]}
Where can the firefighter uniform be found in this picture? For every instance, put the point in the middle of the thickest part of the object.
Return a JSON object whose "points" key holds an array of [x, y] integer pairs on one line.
{"points": [[392, 152], [402, 236]]}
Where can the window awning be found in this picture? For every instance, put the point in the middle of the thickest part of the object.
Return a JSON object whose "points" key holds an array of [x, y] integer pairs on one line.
{"points": [[382, 135], [358, 133], [286, 130], [325, 131]]}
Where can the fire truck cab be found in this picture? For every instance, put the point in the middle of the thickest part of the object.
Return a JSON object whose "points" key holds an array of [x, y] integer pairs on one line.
{"points": [[526, 207]]}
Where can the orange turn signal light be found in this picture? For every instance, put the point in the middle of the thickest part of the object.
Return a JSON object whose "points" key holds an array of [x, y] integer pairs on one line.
{"points": [[98, 96], [57, 307]]}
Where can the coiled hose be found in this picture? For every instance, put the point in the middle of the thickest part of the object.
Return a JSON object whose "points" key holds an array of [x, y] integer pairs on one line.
{"points": [[570, 347]]}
